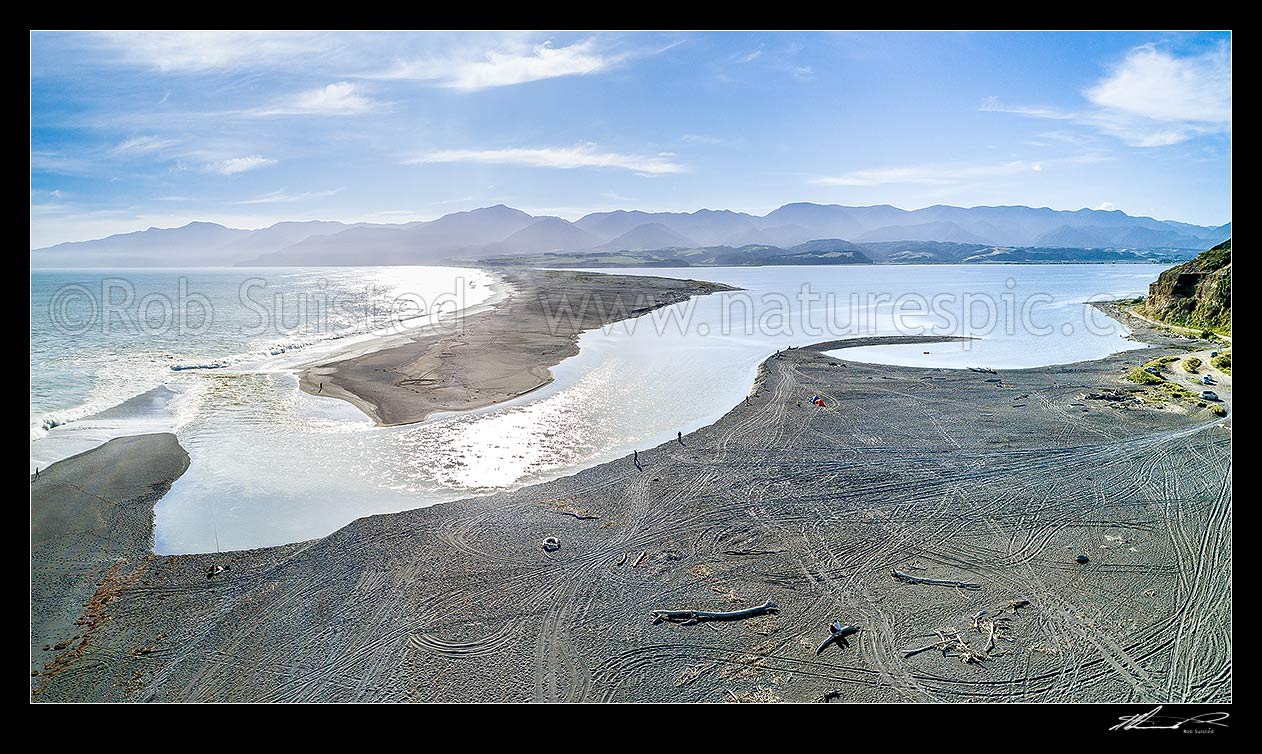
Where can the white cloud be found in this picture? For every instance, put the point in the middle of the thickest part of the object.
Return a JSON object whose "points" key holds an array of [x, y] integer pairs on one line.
{"points": [[1152, 98], [236, 165], [142, 145], [282, 196], [505, 67], [1105, 207], [994, 105], [342, 98], [185, 51], [941, 175], [578, 156], [1151, 83]]}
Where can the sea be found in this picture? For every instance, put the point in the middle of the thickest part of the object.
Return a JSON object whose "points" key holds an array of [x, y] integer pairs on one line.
{"points": [[212, 354]]}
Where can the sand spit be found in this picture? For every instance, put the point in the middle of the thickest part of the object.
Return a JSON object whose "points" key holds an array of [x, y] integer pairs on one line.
{"points": [[997, 480], [91, 535], [496, 355]]}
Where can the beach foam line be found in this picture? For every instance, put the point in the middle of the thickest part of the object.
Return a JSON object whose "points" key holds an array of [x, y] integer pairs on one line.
{"points": [[145, 413]]}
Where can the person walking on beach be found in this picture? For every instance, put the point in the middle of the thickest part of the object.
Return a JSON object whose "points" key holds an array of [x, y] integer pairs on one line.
{"points": [[321, 387], [680, 437], [636, 457]]}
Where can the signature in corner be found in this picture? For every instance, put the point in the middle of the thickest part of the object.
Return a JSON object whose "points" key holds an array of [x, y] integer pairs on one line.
{"points": [[1150, 721]]}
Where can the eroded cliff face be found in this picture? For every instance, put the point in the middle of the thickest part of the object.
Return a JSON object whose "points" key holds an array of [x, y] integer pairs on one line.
{"points": [[1196, 293]]}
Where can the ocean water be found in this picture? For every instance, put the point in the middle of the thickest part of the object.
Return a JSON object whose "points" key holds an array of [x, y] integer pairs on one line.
{"points": [[271, 464], [101, 337]]}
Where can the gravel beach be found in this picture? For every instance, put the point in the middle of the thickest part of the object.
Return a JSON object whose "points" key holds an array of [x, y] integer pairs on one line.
{"points": [[993, 482]]}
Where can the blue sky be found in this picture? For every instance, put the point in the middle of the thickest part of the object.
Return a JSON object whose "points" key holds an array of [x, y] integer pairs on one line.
{"points": [[132, 130]]}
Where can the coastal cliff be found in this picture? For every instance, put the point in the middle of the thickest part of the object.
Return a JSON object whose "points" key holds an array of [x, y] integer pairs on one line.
{"points": [[1196, 293]]}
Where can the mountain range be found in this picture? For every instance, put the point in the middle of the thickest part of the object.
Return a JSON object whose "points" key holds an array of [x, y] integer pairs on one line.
{"points": [[500, 231]]}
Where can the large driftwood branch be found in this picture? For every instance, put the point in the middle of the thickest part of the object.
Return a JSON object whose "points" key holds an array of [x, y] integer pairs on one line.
{"points": [[936, 582], [689, 617], [836, 633]]}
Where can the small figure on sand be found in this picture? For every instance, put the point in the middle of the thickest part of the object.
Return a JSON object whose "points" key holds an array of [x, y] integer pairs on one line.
{"points": [[215, 570], [635, 456], [321, 390], [680, 437]]}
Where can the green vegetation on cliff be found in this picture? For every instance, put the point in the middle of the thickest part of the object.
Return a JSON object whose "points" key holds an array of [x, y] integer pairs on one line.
{"points": [[1194, 294]]}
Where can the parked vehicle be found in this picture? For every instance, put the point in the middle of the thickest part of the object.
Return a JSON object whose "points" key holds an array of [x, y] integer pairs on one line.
{"points": [[1209, 395], [1207, 380]]}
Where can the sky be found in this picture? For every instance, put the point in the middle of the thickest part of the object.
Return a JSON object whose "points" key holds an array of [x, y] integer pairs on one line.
{"points": [[140, 129]]}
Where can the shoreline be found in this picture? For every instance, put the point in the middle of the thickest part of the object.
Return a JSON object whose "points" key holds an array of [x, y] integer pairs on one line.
{"points": [[904, 467], [495, 355], [92, 536]]}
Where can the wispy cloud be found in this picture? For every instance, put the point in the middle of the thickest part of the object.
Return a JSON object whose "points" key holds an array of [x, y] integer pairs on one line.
{"points": [[61, 163], [939, 174], [194, 51], [708, 140], [139, 145], [235, 165], [505, 67], [994, 105], [585, 155], [342, 98], [1152, 98], [282, 196]]}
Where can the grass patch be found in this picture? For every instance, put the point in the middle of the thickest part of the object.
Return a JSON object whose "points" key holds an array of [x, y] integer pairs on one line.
{"points": [[1169, 392], [1222, 362], [1178, 392], [1192, 365], [1138, 376]]}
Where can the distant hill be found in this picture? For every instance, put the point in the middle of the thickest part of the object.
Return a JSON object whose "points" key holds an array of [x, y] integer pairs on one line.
{"points": [[648, 236], [825, 245], [998, 232], [752, 255], [1196, 293], [935, 231], [198, 243], [547, 234], [449, 237]]}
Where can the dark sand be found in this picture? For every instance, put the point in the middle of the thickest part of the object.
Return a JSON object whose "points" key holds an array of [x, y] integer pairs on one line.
{"points": [[997, 479], [496, 355], [91, 534]]}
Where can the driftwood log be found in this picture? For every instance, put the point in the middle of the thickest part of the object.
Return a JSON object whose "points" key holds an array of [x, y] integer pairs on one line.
{"points": [[936, 582], [953, 645], [836, 633], [690, 617]]}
